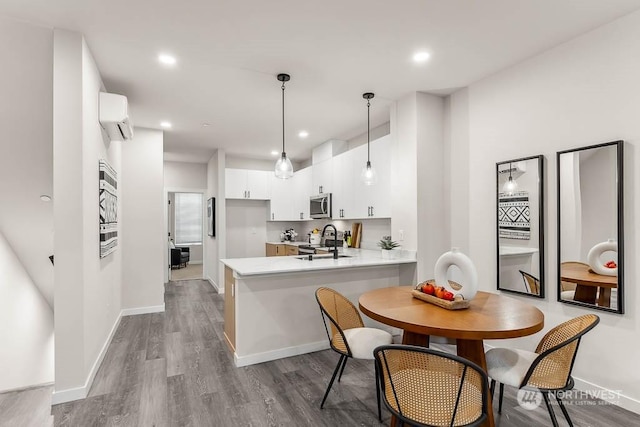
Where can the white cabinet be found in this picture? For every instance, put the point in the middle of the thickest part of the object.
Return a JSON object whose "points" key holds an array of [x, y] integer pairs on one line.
{"points": [[302, 182], [374, 201], [322, 180], [247, 184], [346, 173], [290, 197], [280, 206], [352, 199]]}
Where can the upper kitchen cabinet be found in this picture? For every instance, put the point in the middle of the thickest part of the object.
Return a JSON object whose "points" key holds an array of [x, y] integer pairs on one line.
{"points": [[352, 199], [290, 197], [322, 177], [247, 184], [373, 201], [302, 184]]}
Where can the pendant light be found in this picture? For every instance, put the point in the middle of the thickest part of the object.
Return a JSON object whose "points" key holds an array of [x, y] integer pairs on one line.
{"points": [[284, 168], [510, 186], [368, 175]]}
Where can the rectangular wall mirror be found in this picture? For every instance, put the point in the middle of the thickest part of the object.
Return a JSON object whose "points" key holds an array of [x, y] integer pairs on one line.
{"points": [[520, 226], [590, 226]]}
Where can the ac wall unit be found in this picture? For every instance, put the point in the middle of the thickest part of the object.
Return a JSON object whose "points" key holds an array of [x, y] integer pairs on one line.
{"points": [[114, 116]]}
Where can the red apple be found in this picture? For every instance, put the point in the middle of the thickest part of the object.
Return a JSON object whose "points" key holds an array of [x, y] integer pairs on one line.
{"points": [[448, 295], [428, 288]]}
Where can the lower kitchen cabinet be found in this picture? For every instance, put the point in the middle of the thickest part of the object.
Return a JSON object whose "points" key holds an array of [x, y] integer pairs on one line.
{"points": [[275, 250], [281, 249]]}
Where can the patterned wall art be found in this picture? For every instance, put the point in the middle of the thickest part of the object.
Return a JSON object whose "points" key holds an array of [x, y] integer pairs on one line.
{"points": [[108, 209], [514, 216]]}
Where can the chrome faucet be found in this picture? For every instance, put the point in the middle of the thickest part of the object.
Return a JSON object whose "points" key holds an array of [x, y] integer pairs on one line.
{"points": [[335, 239]]}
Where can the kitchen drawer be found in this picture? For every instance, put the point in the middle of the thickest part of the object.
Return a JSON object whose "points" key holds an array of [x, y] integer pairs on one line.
{"points": [[291, 250]]}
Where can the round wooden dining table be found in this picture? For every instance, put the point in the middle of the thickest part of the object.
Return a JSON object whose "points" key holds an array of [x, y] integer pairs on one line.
{"points": [[490, 316]]}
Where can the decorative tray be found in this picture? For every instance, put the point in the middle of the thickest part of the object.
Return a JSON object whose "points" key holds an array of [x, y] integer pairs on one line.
{"points": [[457, 304]]}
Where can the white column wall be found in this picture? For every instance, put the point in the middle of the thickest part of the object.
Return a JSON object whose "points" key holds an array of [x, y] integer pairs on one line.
{"points": [[583, 92], [68, 211], [418, 201], [211, 243], [143, 232], [88, 289]]}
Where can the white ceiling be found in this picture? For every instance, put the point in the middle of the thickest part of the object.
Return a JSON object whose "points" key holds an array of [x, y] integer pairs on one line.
{"points": [[229, 53]]}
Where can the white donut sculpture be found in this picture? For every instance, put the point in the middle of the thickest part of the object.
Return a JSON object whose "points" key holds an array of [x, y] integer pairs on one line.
{"points": [[464, 263], [596, 264]]}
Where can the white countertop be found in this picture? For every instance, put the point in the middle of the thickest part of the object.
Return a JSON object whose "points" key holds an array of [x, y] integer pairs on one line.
{"points": [[291, 264]]}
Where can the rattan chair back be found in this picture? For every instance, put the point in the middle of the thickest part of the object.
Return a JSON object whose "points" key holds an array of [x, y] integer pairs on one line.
{"points": [[429, 388], [531, 282], [342, 315], [557, 350]]}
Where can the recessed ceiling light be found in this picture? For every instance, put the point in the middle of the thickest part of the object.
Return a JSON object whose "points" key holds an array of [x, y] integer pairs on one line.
{"points": [[421, 56], [45, 198], [303, 134], [167, 59], [166, 125], [206, 125], [274, 152]]}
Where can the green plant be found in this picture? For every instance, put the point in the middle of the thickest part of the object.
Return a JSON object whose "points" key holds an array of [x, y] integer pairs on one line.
{"points": [[387, 244]]}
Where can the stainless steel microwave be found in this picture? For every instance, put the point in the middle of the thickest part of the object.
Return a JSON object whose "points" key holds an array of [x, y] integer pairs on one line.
{"points": [[320, 206]]}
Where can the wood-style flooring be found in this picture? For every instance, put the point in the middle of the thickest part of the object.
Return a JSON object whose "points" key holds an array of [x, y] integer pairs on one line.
{"points": [[173, 369]]}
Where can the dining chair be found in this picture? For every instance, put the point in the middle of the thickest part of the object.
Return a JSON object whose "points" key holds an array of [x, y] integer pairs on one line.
{"points": [[347, 334], [548, 369], [426, 387], [531, 283]]}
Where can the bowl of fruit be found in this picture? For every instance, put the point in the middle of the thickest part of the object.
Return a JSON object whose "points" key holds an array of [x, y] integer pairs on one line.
{"points": [[429, 292]]}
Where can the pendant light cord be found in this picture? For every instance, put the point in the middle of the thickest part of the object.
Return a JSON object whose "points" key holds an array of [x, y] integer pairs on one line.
{"points": [[283, 119], [368, 132]]}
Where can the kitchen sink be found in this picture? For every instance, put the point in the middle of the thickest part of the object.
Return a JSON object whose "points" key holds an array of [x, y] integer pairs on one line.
{"points": [[321, 256]]}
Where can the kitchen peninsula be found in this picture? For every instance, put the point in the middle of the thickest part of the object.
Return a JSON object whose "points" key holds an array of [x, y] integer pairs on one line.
{"points": [[270, 306]]}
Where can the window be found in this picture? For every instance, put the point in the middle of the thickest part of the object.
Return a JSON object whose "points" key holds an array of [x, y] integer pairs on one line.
{"points": [[188, 218]]}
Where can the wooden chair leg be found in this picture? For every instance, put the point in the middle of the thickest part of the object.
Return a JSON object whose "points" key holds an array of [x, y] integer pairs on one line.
{"points": [[554, 421], [500, 398], [333, 377]]}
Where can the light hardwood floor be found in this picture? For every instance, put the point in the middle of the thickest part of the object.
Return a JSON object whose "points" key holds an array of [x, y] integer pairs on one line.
{"points": [[173, 369]]}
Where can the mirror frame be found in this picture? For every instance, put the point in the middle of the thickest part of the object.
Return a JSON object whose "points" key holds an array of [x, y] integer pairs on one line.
{"points": [[620, 217], [541, 215]]}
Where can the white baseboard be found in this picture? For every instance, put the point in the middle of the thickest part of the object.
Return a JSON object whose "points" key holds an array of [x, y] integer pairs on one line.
{"points": [[267, 356], [143, 310], [614, 397], [26, 388], [71, 394], [215, 286], [68, 395]]}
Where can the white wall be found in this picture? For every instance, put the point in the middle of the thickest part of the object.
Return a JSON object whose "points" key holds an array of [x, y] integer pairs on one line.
{"points": [[184, 175], [143, 242], [26, 223], [210, 268], [580, 93], [26, 334], [87, 289], [418, 200], [26, 150]]}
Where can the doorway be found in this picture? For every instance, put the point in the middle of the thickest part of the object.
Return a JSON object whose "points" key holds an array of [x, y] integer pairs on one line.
{"points": [[185, 219]]}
